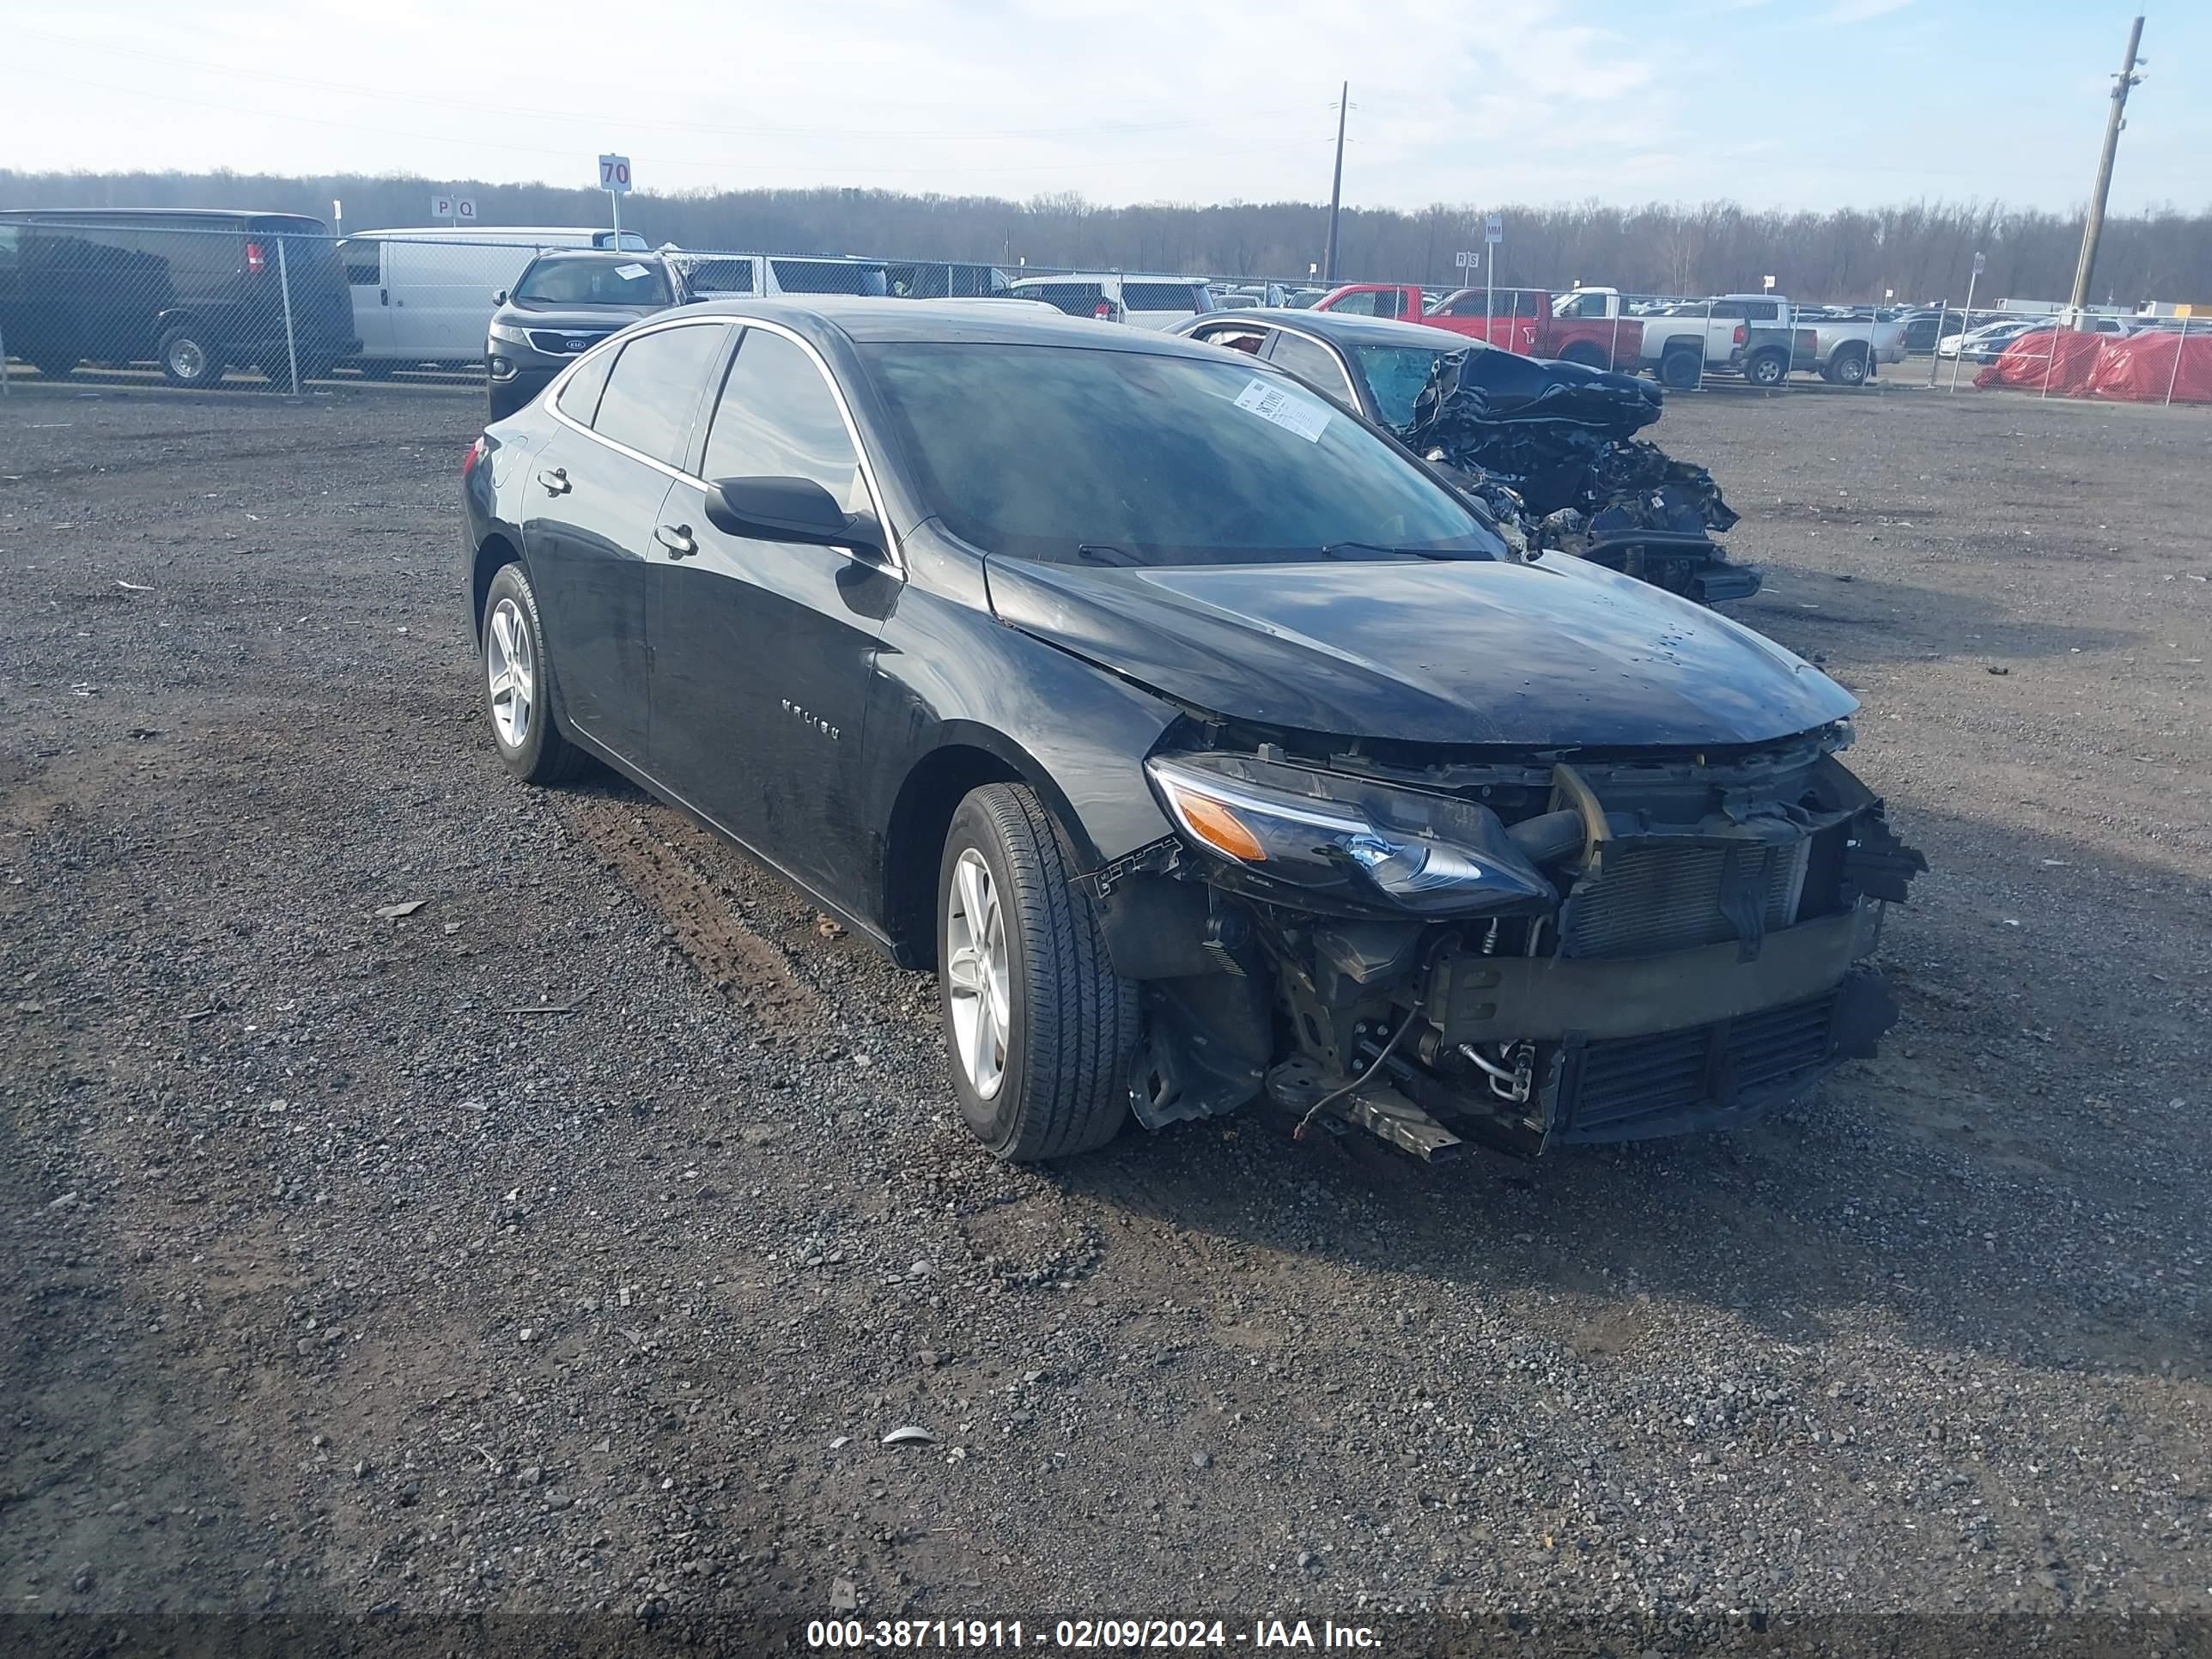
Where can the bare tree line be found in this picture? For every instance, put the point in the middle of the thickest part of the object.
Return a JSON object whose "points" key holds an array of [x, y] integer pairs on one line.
{"points": [[1921, 250]]}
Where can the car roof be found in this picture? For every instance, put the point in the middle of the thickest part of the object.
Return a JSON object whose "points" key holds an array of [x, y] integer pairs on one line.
{"points": [[1344, 329], [880, 320]]}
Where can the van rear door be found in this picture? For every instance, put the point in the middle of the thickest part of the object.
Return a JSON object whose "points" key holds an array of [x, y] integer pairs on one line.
{"points": [[362, 257]]}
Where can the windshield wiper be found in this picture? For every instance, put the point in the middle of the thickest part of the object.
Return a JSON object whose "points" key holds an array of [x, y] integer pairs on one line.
{"points": [[1352, 551]]}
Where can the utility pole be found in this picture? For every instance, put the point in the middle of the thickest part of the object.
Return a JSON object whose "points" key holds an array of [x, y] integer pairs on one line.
{"points": [[2095, 228], [1336, 189]]}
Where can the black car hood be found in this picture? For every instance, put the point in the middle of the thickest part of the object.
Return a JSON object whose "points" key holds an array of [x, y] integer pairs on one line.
{"points": [[595, 319], [1556, 653]]}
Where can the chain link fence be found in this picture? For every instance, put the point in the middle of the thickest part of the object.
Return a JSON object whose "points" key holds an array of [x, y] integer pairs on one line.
{"points": [[276, 301]]}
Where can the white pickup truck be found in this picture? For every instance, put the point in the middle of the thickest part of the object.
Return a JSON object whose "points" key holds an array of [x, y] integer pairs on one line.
{"points": [[1760, 336]]}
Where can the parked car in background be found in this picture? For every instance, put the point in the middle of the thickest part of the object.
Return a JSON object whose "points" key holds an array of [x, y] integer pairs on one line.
{"points": [[733, 274], [197, 291], [930, 279], [1378, 368], [1114, 296], [561, 306], [423, 295], [1200, 739], [1461, 311], [1998, 330]]}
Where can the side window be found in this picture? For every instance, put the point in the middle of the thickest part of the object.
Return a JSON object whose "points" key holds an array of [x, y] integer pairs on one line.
{"points": [[1591, 304], [1389, 302], [1311, 364], [364, 262], [580, 397], [11, 255], [1360, 305], [653, 392], [776, 419], [1236, 339], [1725, 308], [1761, 310]]}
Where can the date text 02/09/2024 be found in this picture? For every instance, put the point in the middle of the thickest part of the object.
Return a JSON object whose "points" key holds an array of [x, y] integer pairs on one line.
{"points": [[1107, 1635], [1092, 1635]]}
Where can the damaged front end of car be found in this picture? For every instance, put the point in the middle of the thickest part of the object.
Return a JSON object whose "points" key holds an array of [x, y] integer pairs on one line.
{"points": [[1532, 950]]}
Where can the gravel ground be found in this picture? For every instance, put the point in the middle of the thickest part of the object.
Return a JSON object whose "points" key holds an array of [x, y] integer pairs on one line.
{"points": [[341, 1276]]}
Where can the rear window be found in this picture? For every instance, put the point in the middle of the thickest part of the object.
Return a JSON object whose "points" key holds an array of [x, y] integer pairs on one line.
{"points": [[364, 263], [654, 393], [828, 277], [586, 280], [1163, 296]]}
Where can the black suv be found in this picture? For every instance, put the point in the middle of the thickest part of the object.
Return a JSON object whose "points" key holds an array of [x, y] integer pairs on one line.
{"points": [[562, 305], [196, 289], [1203, 740]]}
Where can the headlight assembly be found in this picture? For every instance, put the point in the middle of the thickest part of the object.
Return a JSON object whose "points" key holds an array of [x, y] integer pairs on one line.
{"points": [[1361, 844], [509, 333]]}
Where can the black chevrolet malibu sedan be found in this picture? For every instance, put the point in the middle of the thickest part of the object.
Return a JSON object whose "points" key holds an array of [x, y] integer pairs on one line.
{"points": [[1204, 742]]}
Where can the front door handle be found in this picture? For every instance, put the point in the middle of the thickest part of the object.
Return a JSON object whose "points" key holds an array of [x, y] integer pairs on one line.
{"points": [[384, 296], [677, 538], [555, 482]]}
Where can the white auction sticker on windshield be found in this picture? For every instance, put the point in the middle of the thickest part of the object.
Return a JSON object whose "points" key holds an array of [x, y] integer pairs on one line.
{"points": [[629, 273], [1285, 409]]}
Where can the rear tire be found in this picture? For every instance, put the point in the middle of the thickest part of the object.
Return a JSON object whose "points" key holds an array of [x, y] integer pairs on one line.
{"points": [[1583, 355], [1681, 370], [518, 683], [186, 357], [55, 363], [1039, 1027]]}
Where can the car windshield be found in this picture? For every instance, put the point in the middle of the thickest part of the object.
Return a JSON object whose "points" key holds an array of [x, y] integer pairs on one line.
{"points": [[584, 280], [1394, 377], [1081, 455]]}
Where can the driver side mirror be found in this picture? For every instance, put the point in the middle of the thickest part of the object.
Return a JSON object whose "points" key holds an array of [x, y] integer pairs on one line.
{"points": [[789, 510]]}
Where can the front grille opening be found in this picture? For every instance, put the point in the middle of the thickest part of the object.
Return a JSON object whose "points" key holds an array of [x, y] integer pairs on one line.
{"points": [[1614, 1085]]}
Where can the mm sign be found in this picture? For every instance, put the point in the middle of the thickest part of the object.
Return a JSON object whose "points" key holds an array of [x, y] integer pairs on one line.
{"points": [[614, 173], [1493, 228]]}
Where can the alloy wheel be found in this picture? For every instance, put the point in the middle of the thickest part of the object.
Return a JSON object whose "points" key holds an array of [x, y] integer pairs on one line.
{"points": [[510, 671], [977, 972]]}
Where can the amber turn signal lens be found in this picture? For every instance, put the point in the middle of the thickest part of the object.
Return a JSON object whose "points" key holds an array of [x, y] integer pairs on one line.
{"points": [[1221, 829]]}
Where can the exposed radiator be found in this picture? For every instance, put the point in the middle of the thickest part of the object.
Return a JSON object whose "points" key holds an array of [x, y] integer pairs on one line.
{"points": [[1654, 896]]}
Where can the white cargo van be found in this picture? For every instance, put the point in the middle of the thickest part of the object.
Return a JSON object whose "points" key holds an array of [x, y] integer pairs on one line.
{"points": [[426, 295], [711, 275]]}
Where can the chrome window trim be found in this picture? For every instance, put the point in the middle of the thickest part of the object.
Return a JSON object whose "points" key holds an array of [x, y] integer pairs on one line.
{"points": [[891, 553]]}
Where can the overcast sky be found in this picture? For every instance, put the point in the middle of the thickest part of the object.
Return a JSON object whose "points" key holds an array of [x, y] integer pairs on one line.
{"points": [[1767, 102]]}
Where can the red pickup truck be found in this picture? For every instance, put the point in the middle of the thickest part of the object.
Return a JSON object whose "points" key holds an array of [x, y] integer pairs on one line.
{"points": [[1528, 320]]}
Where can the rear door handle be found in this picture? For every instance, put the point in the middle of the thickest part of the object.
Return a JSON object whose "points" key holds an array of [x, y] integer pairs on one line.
{"points": [[384, 296], [677, 538], [555, 482]]}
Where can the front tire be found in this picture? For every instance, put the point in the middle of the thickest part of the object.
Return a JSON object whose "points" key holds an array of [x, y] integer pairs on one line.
{"points": [[1849, 367], [1583, 355], [518, 683], [502, 401], [1681, 370], [1766, 368], [187, 359], [1039, 1027]]}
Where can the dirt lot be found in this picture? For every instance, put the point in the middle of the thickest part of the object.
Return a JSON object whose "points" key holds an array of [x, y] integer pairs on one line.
{"points": [[336, 1279]]}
